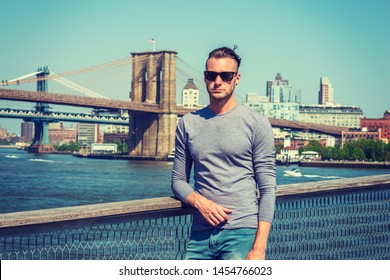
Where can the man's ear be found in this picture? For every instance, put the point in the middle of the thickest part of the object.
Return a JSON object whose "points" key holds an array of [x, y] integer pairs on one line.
{"points": [[238, 78]]}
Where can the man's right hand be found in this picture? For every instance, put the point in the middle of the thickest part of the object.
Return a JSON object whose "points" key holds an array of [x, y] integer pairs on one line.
{"points": [[212, 212]]}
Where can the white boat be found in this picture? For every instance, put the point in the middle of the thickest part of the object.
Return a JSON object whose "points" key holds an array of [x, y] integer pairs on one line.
{"points": [[293, 172], [171, 156]]}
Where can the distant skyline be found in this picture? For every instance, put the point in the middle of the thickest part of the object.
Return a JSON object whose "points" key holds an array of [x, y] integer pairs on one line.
{"points": [[304, 40]]}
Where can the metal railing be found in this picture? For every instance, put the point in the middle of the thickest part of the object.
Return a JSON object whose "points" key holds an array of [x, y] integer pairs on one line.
{"points": [[335, 219]]}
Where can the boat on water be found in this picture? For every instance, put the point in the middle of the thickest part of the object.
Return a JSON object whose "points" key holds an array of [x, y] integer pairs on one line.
{"points": [[171, 156], [293, 172]]}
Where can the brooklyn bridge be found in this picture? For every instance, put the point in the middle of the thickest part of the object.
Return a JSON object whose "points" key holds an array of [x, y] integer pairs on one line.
{"points": [[152, 107]]}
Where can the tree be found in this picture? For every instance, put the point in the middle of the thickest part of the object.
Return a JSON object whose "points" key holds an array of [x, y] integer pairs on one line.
{"points": [[358, 154], [121, 146], [278, 148], [70, 147], [5, 142], [315, 146]]}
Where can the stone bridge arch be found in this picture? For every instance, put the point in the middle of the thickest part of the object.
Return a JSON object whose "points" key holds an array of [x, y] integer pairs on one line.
{"points": [[153, 82]]}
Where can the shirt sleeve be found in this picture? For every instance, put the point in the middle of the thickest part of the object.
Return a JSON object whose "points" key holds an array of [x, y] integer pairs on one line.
{"points": [[182, 165], [265, 169]]}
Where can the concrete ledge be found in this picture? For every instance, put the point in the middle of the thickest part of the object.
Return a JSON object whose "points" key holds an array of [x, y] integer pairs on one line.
{"points": [[88, 211]]}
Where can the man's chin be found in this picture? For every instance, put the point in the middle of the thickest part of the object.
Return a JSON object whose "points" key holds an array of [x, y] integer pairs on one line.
{"points": [[218, 95]]}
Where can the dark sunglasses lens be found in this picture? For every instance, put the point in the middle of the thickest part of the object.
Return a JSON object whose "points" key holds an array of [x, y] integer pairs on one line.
{"points": [[210, 76], [227, 76]]}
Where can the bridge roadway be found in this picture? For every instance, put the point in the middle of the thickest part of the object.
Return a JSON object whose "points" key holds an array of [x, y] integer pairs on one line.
{"points": [[29, 115], [90, 102]]}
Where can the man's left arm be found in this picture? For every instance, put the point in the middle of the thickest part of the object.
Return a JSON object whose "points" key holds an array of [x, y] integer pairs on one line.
{"points": [[265, 173], [260, 244]]}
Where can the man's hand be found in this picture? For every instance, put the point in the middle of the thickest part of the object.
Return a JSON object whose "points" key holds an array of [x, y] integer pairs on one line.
{"points": [[260, 244], [256, 255], [213, 213]]}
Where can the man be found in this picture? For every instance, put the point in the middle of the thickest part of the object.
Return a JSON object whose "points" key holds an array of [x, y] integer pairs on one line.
{"points": [[232, 150]]}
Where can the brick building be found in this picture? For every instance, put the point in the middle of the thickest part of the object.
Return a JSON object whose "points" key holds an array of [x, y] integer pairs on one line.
{"points": [[381, 125], [59, 134]]}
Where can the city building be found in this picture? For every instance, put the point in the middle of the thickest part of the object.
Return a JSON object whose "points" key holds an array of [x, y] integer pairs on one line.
{"points": [[116, 133], [106, 148], [254, 98], [87, 134], [382, 124], [3, 133], [325, 95], [27, 132], [113, 128], [287, 155], [281, 100], [353, 135], [58, 134], [310, 155], [279, 90], [324, 139], [345, 116], [115, 137], [276, 110], [190, 95], [327, 112]]}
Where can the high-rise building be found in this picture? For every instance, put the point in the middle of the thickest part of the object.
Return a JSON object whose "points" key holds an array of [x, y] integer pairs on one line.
{"points": [[87, 133], [27, 132], [276, 110], [190, 95], [3, 133], [279, 91], [325, 95]]}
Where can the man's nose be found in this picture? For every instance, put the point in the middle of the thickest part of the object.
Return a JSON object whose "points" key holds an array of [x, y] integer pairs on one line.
{"points": [[218, 80]]}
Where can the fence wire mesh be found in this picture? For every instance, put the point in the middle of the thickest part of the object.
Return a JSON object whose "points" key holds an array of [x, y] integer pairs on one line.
{"points": [[153, 239]]}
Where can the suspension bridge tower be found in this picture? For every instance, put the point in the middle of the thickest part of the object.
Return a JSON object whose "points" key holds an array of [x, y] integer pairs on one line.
{"points": [[153, 82], [41, 142]]}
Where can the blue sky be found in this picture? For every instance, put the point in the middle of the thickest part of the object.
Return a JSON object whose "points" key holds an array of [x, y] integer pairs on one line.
{"points": [[347, 41]]}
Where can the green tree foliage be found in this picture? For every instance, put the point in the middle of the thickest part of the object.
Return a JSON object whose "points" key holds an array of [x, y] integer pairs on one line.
{"points": [[122, 146], [278, 148], [362, 149], [314, 146], [5, 142], [71, 147]]}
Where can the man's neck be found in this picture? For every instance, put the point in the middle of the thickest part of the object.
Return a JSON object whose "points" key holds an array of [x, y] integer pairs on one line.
{"points": [[222, 106]]}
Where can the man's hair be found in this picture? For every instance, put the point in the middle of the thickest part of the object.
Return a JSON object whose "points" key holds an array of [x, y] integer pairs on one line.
{"points": [[224, 52]]}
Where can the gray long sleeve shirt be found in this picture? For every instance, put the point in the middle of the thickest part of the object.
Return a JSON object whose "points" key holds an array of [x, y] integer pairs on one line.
{"points": [[233, 154]]}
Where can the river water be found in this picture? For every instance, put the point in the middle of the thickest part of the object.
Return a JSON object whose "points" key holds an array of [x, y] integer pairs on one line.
{"points": [[42, 181]]}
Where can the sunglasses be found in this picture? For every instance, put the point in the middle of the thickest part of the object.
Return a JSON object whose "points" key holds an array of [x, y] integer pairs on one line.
{"points": [[225, 76]]}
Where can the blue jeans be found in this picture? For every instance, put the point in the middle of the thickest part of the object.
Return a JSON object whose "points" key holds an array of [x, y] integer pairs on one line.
{"points": [[220, 244]]}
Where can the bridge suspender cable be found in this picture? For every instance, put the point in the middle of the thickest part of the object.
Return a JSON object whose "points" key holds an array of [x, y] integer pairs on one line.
{"points": [[23, 77], [75, 86]]}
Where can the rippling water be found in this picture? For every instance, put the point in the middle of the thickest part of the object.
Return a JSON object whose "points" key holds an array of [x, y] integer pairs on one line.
{"points": [[33, 181]]}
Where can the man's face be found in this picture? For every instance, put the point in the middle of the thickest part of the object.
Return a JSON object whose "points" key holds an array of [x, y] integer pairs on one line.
{"points": [[219, 89]]}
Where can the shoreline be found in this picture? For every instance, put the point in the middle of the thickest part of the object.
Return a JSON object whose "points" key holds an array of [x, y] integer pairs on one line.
{"points": [[345, 164], [119, 156], [307, 163]]}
